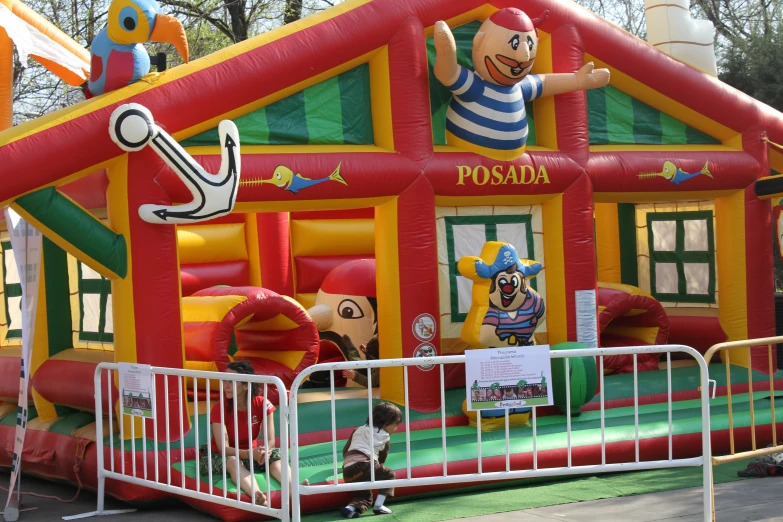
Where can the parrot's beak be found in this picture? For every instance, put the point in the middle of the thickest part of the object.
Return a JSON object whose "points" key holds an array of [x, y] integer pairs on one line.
{"points": [[168, 30]]}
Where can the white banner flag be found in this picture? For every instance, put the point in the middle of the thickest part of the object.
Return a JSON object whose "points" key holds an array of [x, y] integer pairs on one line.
{"points": [[26, 243]]}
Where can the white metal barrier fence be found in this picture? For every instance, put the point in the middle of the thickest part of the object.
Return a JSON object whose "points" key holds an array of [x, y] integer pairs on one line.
{"points": [[159, 475], [509, 473]]}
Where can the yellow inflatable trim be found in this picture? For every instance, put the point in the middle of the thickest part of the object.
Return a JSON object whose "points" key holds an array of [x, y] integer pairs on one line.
{"points": [[290, 359], [279, 323], [331, 237], [208, 309], [211, 243]]}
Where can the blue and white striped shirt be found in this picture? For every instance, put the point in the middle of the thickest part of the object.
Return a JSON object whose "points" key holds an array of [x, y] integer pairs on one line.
{"points": [[489, 115]]}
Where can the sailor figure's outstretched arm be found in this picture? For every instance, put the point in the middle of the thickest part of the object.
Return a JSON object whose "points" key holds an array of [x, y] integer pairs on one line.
{"points": [[132, 127], [446, 67]]}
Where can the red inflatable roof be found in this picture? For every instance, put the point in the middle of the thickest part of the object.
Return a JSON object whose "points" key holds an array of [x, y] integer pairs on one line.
{"points": [[76, 139]]}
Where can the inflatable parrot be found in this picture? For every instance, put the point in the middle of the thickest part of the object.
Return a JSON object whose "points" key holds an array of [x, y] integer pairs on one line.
{"points": [[487, 112], [118, 57]]}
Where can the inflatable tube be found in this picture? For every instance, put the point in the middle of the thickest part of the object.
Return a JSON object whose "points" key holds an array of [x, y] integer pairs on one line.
{"points": [[582, 377], [66, 378], [629, 316], [273, 332]]}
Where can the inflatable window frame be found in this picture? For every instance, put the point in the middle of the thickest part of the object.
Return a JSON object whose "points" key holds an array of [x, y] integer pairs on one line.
{"points": [[681, 255], [490, 222], [12, 289], [84, 283]]}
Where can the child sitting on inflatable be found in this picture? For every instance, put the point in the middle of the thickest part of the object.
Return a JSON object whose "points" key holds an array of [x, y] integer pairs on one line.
{"points": [[369, 447]]}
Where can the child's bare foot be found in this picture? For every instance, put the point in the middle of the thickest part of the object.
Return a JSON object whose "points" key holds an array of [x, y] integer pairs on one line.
{"points": [[260, 498], [305, 482]]}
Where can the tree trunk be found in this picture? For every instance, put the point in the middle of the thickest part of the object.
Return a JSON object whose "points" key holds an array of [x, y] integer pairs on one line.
{"points": [[236, 11], [293, 11]]}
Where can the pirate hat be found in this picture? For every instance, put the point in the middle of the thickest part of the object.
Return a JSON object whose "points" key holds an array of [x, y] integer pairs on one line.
{"points": [[496, 257]]}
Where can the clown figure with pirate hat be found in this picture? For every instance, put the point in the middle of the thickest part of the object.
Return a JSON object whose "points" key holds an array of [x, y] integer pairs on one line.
{"points": [[487, 112], [505, 310]]}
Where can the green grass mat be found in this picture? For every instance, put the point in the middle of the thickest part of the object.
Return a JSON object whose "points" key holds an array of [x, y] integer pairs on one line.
{"points": [[474, 502]]}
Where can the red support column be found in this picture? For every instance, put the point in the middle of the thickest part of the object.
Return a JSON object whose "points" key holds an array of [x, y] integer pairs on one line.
{"points": [[409, 85], [274, 245], [156, 290], [570, 108], [578, 246], [417, 273], [759, 263]]}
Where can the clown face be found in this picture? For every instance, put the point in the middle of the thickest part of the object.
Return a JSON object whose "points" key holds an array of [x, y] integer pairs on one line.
{"points": [[503, 56], [507, 291]]}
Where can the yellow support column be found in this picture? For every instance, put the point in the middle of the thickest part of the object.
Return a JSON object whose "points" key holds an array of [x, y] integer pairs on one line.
{"points": [[556, 315], [388, 288], [121, 289], [732, 287], [40, 349], [607, 238]]}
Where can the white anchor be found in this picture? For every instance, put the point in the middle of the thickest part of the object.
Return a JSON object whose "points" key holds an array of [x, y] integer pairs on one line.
{"points": [[132, 128]]}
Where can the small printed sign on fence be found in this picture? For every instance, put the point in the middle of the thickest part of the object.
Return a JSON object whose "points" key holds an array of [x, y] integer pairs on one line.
{"points": [[136, 389], [515, 377]]}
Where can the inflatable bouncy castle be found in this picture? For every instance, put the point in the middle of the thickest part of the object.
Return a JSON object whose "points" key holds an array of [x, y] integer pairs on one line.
{"points": [[640, 180]]}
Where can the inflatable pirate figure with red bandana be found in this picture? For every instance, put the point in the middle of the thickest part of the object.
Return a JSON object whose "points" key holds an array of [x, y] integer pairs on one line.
{"points": [[487, 112], [505, 311], [346, 314]]}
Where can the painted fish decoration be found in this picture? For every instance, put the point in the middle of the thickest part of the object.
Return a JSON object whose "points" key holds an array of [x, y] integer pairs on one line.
{"points": [[286, 179], [675, 175]]}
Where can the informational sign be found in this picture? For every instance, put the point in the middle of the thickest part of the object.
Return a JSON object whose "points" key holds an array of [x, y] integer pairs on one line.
{"points": [[424, 328], [26, 244], [515, 377], [136, 389], [586, 318], [425, 350]]}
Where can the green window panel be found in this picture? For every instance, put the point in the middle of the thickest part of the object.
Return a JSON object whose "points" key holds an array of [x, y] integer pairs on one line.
{"points": [[466, 235], [682, 256], [615, 118], [334, 112], [12, 289], [441, 96], [94, 306]]}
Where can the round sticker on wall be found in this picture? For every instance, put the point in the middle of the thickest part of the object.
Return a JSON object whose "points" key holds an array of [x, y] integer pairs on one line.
{"points": [[424, 327], [425, 350]]}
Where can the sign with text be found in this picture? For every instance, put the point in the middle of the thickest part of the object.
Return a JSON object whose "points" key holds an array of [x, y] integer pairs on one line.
{"points": [[515, 377], [136, 389]]}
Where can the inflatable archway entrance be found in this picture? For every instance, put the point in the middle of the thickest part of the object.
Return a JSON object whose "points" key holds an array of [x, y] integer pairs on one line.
{"points": [[629, 316], [273, 332]]}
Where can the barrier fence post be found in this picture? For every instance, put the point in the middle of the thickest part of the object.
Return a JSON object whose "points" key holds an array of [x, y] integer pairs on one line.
{"points": [[178, 487], [539, 469]]}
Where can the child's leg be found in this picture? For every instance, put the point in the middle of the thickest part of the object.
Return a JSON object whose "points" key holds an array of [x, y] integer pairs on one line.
{"points": [[383, 473], [362, 500], [246, 481]]}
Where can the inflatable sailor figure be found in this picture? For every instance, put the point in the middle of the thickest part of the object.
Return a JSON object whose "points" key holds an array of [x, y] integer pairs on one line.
{"points": [[505, 311], [487, 112]]}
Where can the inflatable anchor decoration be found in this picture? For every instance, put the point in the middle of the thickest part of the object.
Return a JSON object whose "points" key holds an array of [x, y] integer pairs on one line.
{"points": [[132, 128]]}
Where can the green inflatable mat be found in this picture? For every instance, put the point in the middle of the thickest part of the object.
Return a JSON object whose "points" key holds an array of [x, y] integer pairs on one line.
{"points": [[316, 462]]}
